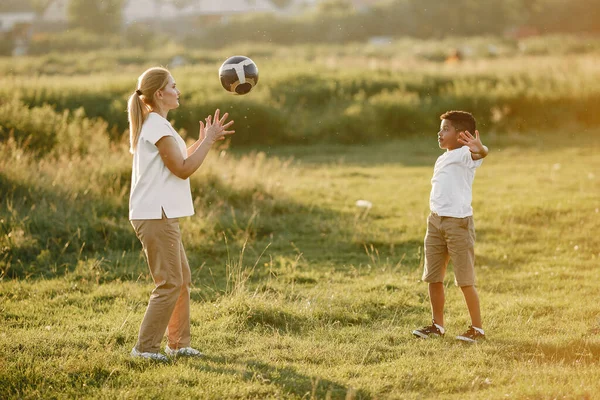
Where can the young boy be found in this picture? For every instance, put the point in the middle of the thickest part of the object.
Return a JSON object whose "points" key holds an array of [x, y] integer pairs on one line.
{"points": [[450, 229]]}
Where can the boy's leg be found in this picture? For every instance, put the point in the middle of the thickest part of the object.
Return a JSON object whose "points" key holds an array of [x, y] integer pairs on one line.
{"points": [[437, 300], [436, 261], [472, 300], [461, 246]]}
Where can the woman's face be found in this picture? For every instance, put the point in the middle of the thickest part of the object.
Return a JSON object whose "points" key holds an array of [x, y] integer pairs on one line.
{"points": [[168, 97]]}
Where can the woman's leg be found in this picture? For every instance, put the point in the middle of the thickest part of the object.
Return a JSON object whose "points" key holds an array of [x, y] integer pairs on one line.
{"points": [[178, 331], [161, 242]]}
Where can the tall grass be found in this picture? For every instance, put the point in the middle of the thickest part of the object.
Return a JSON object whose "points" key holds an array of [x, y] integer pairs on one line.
{"points": [[61, 206], [332, 98]]}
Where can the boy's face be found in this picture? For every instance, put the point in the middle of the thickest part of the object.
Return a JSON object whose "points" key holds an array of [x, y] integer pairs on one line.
{"points": [[448, 136]]}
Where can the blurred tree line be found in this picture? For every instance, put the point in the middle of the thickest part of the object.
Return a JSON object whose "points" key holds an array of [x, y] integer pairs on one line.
{"points": [[100, 17], [99, 24], [339, 21]]}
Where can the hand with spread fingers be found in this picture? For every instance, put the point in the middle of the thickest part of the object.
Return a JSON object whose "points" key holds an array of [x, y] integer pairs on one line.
{"points": [[478, 150], [216, 128]]}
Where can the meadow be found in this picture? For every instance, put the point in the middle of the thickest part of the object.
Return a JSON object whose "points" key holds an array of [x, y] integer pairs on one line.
{"points": [[297, 292], [321, 94]]}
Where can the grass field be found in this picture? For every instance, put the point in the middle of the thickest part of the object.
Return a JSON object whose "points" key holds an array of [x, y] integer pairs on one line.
{"points": [[297, 293]]}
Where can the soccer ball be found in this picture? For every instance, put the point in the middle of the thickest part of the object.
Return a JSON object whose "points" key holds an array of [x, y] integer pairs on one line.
{"points": [[238, 74]]}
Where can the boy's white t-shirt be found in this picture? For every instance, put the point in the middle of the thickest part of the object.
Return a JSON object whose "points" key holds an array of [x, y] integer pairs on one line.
{"points": [[154, 187], [452, 183]]}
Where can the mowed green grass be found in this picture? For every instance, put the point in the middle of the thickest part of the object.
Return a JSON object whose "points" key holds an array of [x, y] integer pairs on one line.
{"points": [[316, 298]]}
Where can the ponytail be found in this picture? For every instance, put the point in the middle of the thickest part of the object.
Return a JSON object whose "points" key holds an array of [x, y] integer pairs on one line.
{"points": [[141, 102], [137, 111]]}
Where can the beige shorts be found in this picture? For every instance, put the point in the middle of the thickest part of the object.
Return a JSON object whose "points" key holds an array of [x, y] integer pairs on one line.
{"points": [[450, 238]]}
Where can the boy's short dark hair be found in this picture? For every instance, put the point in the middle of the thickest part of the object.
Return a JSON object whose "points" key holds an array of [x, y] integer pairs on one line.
{"points": [[461, 120]]}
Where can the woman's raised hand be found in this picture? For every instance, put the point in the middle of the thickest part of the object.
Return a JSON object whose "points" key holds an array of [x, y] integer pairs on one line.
{"points": [[216, 128]]}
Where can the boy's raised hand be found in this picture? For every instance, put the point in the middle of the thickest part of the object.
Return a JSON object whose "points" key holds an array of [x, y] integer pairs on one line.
{"points": [[478, 150], [474, 143]]}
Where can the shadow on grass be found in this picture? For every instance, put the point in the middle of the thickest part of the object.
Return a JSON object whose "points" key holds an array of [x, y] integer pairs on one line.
{"points": [[43, 231], [286, 378], [576, 351], [275, 319]]}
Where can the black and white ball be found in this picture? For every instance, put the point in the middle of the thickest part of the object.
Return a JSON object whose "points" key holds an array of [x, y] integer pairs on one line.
{"points": [[238, 74]]}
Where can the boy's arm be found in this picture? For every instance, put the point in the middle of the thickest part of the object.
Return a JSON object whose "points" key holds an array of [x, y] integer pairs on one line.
{"points": [[478, 150]]}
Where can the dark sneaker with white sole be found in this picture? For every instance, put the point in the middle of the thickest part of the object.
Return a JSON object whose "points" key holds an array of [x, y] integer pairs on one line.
{"points": [[427, 332], [472, 335]]}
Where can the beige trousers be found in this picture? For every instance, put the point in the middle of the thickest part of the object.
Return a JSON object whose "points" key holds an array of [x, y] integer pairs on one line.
{"points": [[169, 306]]}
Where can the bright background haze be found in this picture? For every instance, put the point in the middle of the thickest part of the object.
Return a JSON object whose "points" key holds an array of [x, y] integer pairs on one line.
{"points": [[300, 290]]}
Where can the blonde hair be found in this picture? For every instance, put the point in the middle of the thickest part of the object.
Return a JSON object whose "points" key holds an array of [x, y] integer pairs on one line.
{"points": [[141, 102]]}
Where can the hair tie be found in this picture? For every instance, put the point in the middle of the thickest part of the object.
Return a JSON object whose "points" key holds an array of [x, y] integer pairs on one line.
{"points": [[139, 92]]}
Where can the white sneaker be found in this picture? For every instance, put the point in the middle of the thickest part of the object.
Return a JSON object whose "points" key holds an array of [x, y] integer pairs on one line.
{"points": [[150, 356], [184, 351]]}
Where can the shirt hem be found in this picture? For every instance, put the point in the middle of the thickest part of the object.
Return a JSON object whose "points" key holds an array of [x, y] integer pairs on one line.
{"points": [[139, 217], [445, 214]]}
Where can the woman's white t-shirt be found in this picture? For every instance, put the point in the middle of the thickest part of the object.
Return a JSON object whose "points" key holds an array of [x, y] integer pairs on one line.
{"points": [[154, 187]]}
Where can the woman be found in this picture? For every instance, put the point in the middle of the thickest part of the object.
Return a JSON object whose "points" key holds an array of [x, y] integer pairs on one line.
{"points": [[160, 195]]}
